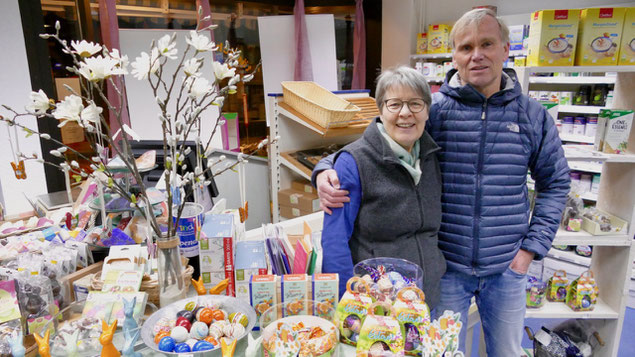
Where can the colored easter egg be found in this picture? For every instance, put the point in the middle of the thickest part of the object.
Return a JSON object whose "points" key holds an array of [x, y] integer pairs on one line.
{"points": [[160, 335], [218, 315], [162, 325], [199, 330], [239, 317], [190, 306], [182, 347], [197, 311], [206, 315], [167, 344], [215, 331], [234, 331], [191, 342], [182, 321], [202, 346], [211, 340], [187, 314], [179, 334]]}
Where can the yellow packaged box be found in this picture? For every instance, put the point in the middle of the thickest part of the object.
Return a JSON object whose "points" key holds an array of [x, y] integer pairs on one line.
{"points": [[439, 38], [627, 47], [422, 43], [552, 37], [599, 36]]}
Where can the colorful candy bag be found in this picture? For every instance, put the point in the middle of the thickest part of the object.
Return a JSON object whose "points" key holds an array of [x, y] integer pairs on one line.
{"points": [[442, 337], [413, 315], [557, 286], [352, 310], [380, 335], [583, 292]]}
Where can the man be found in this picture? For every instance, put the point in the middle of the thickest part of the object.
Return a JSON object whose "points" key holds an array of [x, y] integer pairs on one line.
{"points": [[490, 135]]}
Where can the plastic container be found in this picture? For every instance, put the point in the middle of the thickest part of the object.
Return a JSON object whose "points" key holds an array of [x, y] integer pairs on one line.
{"points": [[591, 126], [575, 181], [579, 124], [406, 268], [585, 182], [567, 125]]}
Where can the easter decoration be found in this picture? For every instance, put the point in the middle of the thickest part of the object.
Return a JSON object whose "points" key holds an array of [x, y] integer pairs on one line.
{"points": [[380, 334], [413, 315], [442, 337], [557, 286], [352, 310], [108, 332], [43, 346], [583, 292]]}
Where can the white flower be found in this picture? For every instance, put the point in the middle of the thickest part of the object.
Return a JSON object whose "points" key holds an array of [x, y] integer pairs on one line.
{"points": [[145, 64], [39, 102], [248, 78], [191, 67], [90, 114], [167, 47], [219, 101], [200, 42], [85, 49], [68, 109], [199, 88], [234, 80], [222, 71], [122, 61], [99, 68]]}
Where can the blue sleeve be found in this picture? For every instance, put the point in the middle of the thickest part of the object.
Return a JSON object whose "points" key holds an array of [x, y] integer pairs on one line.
{"points": [[325, 164], [338, 227], [550, 170]]}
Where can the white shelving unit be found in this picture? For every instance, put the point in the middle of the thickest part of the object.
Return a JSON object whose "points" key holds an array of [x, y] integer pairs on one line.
{"points": [[298, 133], [573, 80], [580, 109], [612, 260], [576, 138]]}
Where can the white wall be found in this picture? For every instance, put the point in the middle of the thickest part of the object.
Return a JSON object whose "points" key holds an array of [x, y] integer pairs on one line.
{"points": [[398, 29], [15, 86]]}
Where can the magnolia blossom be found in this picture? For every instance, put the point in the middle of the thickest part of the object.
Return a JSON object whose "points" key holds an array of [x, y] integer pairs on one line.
{"points": [[85, 49], [90, 114], [145, 64], [122, 60], [191, 67], [99, 68], [200, 42], [40, 103], [222, 71], [199, 87], [68, 110], [167, 47], [219, 101]]}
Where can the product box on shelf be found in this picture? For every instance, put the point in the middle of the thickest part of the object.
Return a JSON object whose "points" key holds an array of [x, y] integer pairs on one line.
{"points": [[295, 292], [517, 34], [617, 126], [616, 226], [304, 201], [264, 293], [599, 36], [438, 38], [627, 43], [552, 37], [216, 251], [303, 186], [250, 261], [288, 212], [325, 293], [422, 43]]}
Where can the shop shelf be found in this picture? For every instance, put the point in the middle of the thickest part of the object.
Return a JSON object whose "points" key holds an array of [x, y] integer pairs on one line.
{"points": [[570, 69], [569, 256], [580, 109], [292, 114], [289, 161], [559, 310], [435, 79], [586, 166], [585, 238], [577, 138], [573, 80], [586, 153]]}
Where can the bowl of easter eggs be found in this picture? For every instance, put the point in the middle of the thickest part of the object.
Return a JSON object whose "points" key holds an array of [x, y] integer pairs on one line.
{"points": [[386, 276], [292, 330], [197, 325]]}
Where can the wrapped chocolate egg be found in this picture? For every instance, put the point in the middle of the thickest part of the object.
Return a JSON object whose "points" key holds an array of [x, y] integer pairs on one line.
{"points": [[182, 347], [384, 284], [239, 317], [205, 315], [378, 348], [162, 325], [211, 340], [353, 323], [179, 334], [222, 325], [199, 330], [197, 310]]}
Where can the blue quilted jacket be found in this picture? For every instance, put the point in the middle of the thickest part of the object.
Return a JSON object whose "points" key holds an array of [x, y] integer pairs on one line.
{"points": [[487, 147]]}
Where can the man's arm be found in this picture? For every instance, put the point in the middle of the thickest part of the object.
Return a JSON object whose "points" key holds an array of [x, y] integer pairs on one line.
{"points": [[325, 179]]}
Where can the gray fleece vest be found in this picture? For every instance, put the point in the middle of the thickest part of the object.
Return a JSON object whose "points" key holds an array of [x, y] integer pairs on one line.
{"points": [[397, 218]]}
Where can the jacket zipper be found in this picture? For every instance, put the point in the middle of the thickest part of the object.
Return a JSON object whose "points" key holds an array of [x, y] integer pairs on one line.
{"points": [[420, 217], [477, 203]]}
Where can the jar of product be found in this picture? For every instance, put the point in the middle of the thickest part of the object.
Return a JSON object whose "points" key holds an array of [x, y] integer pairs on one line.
{"points": [[582, 96], [585, 182], [578, 125], [575, 181], [600, 92], [591, 126], [567, 125], [595, 183]]}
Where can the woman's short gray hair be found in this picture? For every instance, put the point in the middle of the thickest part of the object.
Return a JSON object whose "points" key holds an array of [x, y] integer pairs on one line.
{"points": [[475, 17], [402, 76]]}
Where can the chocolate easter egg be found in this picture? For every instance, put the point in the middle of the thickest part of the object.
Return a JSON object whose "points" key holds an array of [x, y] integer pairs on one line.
{"points": [[190, 306]]}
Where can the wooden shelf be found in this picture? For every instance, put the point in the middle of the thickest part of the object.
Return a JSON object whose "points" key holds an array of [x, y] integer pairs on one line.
{"points": [[289, 161], [580, 109], [559, 310], [585, 238], [292, 114], [573, 80], [577, 138]]}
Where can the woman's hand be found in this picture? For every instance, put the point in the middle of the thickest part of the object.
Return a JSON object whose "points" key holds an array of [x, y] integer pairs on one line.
{"points": [[328, 186]]}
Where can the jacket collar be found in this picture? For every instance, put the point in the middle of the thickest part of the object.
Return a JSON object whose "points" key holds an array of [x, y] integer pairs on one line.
{"points": [[510, 88], [374, 137]]}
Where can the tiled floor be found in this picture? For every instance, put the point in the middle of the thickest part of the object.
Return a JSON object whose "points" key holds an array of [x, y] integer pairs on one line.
{"points": [[627, 343]]}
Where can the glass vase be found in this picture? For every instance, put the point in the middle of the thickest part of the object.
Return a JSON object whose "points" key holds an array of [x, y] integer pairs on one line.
{"points": [[171, 285]]}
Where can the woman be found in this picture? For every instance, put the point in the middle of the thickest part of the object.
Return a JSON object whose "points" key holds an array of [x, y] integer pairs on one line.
{"points": [[394, 183]]}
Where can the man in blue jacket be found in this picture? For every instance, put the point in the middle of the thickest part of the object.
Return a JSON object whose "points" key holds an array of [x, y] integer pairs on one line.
{"points": [[490, 135]]}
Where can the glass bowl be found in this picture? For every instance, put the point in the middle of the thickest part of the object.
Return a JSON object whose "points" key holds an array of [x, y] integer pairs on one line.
{"points": [[411, 271], [288, 329], [227, 303]]}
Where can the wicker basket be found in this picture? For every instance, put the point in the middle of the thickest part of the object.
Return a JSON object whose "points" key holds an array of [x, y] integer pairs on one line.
{"points": [[318, 104], [150, 286]]}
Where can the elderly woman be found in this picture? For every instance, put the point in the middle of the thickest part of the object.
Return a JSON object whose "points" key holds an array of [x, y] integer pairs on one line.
{"points": [[394, 183]]}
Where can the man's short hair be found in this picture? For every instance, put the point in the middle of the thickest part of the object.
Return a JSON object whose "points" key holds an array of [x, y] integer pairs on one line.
{"points": [[402, 76], [475, 17]]}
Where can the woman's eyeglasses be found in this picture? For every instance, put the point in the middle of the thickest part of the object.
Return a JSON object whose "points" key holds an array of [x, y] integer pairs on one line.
{"points": [[414, 105]]}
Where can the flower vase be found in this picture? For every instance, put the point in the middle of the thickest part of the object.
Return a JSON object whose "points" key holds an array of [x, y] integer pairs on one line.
{"points": [[171, 285]]}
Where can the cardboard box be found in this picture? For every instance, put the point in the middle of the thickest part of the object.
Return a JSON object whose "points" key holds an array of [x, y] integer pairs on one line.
{"points": [[288, 212], [438, 38], [552, 37], [303, 186], [216, 251], [627, 41], [250, 261], [326, 294], [304, 201], [422, 43], [295, 291], [599, 36], [517, 34], [263, 293], [618, 131]]}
